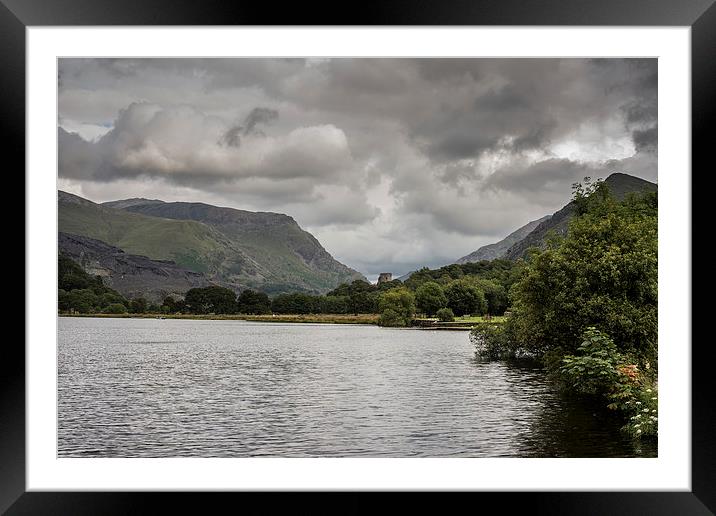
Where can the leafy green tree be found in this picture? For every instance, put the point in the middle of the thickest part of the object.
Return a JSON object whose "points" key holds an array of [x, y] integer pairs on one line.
{"points": [[362, 303], [387, 285], [334, 304], [603, 274], [430, 297], [107, 298], [357, 286], [464, 298], [583, 194], [495, 295], [445, 315], [115, 308], [252, 302], [392, 318], [296, 303], [397, 307], [70, 275], [503, 272], [81, 292], [172, 306], [138, 305], [83, 301], [213, 299]]}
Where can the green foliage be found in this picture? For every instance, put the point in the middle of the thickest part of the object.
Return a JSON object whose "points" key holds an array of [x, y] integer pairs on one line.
{"points": [[463, 298], [349, 289], [71, 276], [115, 308], [642, 410], [430, 297], [603, 274], [296, 303], [496, 341], [361, 296], [387, 285], [492, 278], [502, 272], [594, 369], [601, 370], [252, 302], [583, 194], [392, 318], [83, 301], [172, 306], [213, 299], [397, 307], [334, 304], [495, 295], [363, 302], [138, 305], [445, 315], [80, 292]]}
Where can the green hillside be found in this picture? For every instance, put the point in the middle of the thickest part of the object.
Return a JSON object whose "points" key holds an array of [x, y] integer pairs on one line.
{"points": [[271, 242], [269, 252]]}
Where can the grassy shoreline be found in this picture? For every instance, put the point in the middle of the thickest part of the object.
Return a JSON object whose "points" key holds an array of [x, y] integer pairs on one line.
{"points": [[283, 318], [460, 324]]}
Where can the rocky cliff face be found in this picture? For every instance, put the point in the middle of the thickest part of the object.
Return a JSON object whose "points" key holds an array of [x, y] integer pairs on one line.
{"points": [[129, 274]]}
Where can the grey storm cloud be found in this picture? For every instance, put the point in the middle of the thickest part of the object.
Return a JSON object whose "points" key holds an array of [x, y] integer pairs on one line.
{"points": [[646, 140], [259, 115], [360, 150], [255, 118]]}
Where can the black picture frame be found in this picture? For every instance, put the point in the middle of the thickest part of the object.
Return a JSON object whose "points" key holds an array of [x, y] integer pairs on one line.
{"points": [[16, 15]]}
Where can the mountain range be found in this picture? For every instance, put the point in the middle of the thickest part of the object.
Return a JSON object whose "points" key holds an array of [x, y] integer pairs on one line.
{"points": [[535, 233], [225, 246], [152, 248], [498, 249]]}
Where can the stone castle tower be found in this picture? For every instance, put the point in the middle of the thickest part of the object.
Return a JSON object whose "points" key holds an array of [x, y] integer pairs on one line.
{"points": [[385, 277]]}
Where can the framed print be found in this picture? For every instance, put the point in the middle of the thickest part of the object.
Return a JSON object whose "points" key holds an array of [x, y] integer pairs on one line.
{"points": [[413, 250]]}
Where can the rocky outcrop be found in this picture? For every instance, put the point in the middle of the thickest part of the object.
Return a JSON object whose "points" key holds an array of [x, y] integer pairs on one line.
{"points": [[129, 274]]}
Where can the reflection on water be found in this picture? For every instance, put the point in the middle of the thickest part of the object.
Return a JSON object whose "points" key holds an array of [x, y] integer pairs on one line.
{"points": [[570, 426], [181, 388]]}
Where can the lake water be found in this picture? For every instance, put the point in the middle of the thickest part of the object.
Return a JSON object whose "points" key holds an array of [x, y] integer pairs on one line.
{"points": [[183, 388]]}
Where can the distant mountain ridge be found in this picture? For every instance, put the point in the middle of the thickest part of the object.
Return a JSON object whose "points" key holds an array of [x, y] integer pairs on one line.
{"points": [[235, 248], [619, 185], [534, 234], [499, 249]]}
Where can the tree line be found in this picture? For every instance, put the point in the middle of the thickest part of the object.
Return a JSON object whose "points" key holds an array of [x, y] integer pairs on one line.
{"points": [[84, 293], [447, 292]]}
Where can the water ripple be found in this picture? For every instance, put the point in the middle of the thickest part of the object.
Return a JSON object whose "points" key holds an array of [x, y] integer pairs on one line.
{"points": [[181, 388]]}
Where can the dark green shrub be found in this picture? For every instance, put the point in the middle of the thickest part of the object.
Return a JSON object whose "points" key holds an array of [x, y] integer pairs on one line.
{"points": [[391, 318], [445, 315], [115, 308]]}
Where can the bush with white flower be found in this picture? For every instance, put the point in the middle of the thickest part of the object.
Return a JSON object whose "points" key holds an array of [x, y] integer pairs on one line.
{"points": [[601, 370]]}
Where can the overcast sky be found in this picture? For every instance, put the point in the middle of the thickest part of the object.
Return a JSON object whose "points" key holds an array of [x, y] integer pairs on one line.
{"points": [[393, 164]]}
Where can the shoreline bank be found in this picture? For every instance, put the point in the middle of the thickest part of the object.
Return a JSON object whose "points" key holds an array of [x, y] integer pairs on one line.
{"points": [[371, 319]]}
